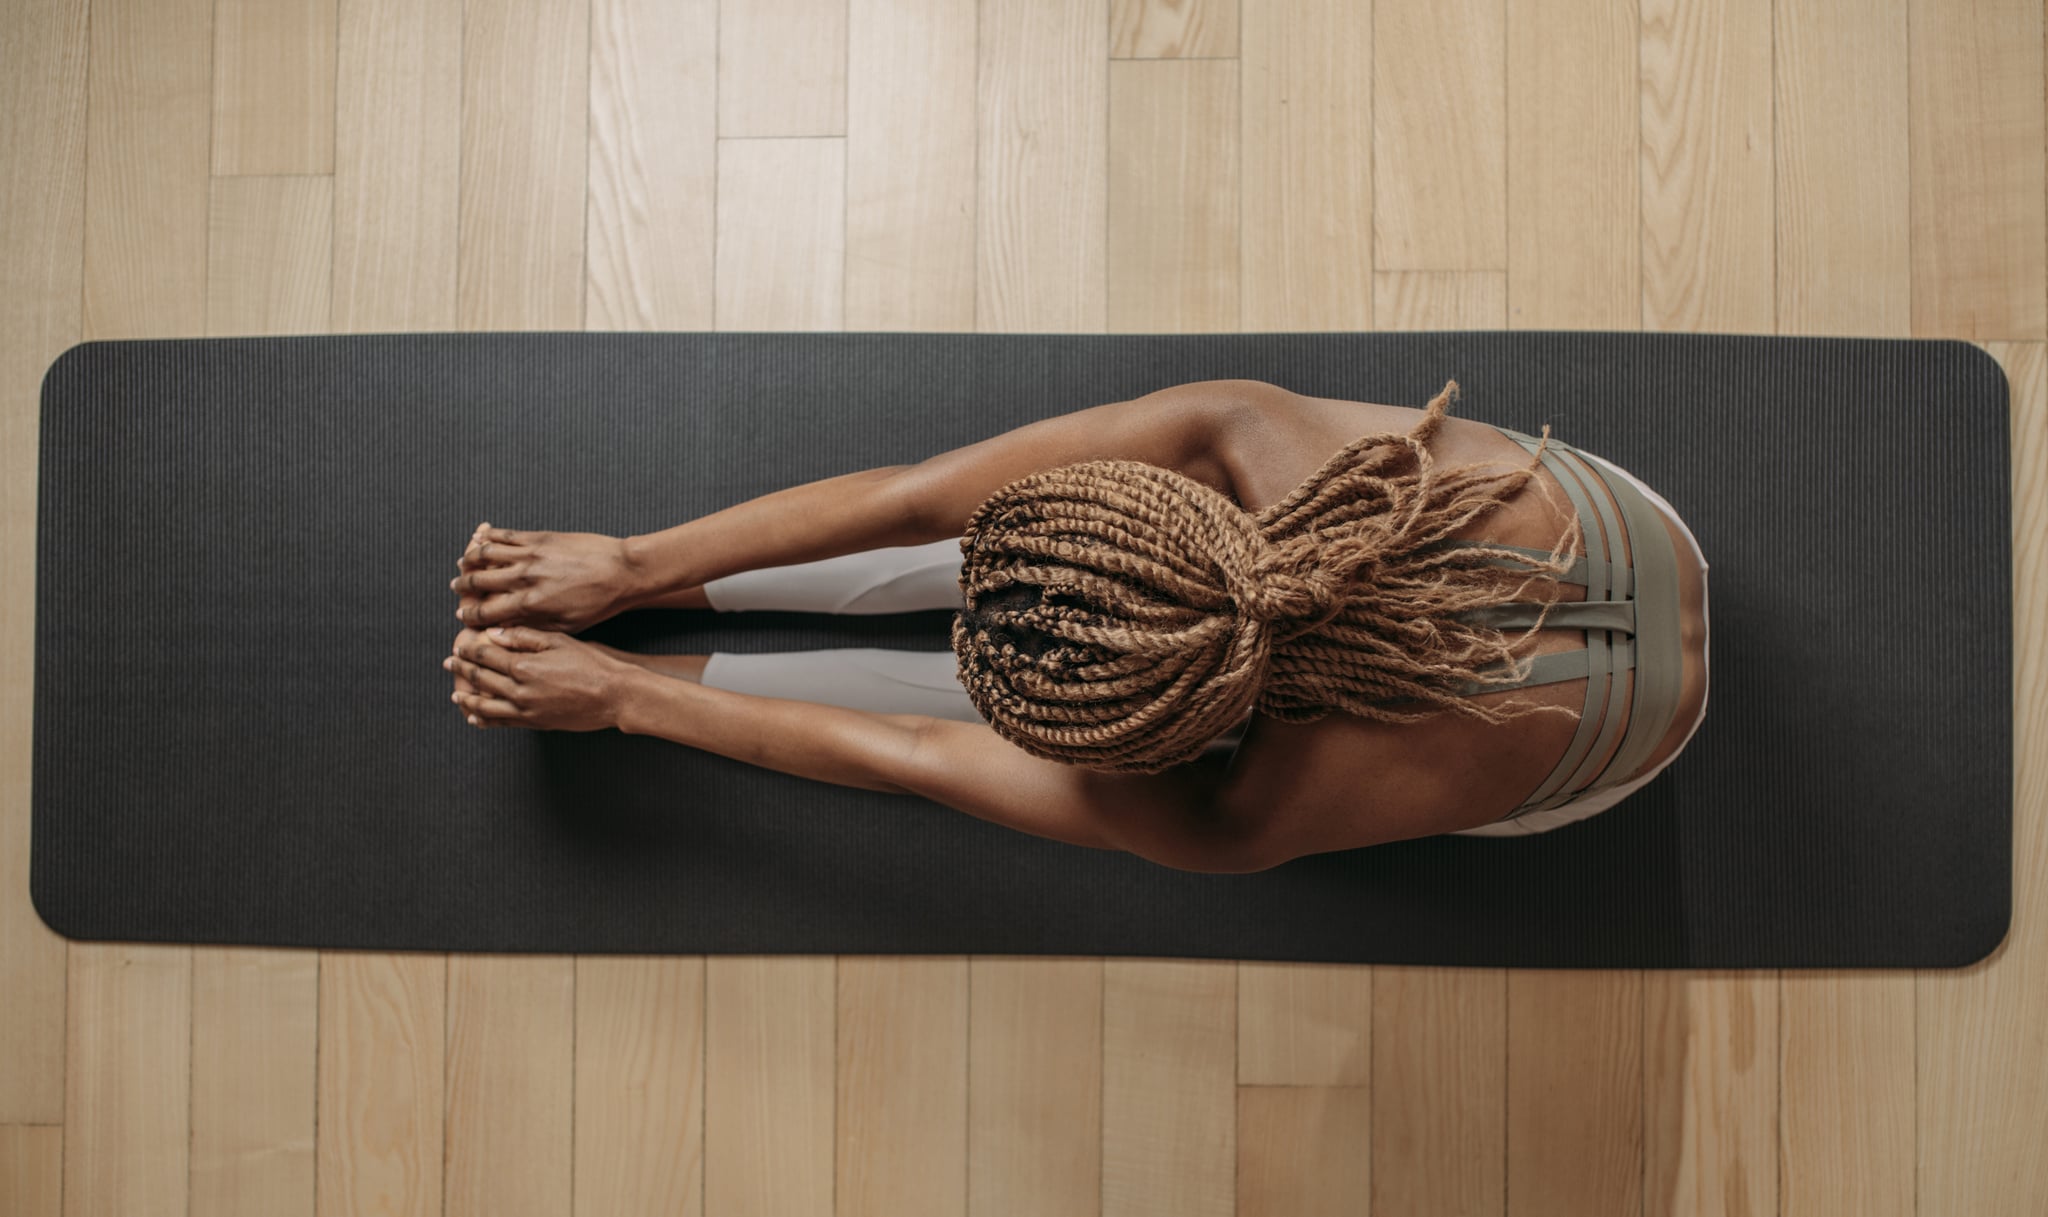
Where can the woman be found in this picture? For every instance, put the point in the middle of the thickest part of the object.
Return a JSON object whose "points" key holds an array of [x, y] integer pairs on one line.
{"points": [[1220, 626]]}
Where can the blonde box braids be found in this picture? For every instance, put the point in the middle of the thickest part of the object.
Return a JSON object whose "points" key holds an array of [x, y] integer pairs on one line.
{"points": [[1121, 615]]}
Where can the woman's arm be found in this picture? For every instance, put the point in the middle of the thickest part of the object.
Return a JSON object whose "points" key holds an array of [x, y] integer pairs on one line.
{"points": [[1163, 817], [1176, 428]]}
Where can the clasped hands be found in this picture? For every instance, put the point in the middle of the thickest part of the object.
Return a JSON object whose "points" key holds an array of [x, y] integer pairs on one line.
{"points": [[517, 675]]}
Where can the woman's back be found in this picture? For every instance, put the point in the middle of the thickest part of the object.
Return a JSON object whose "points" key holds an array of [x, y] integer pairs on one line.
{"points": [[1342, 781]]}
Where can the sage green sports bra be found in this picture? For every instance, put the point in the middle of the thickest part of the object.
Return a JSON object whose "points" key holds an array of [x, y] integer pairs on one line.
{"points": [[1631, 616]]}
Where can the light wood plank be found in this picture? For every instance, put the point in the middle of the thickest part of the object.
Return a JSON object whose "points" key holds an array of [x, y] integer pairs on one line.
{"points": [[1710, 1093], [1439, 1091], [1440, 136], [781, 234], [1305, 219], [255, 1021], [1173, 191], [1304, 1024], [1035, 1087], [1298, 1152], [902, 1086], [1844, 263], [910, 165], [146, 168], [511, 1052], [1173, 29], [1574, 250], [653, 164], [1980, 239], [42, 235], [1169, 1108], [1708, 212], [383, 1083], [1440, 299], [640, 1085], [128, 1081], [31, 1169], [398, 129], [1043, 172], [273, 86], [1575, 1084], [1847, 1132], [768, 1079], [269, 255], [781, 68], [525, 110], [1983, 1030]]}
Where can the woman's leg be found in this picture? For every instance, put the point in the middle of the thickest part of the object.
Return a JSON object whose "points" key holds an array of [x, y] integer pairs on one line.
{"points": [[899, 579]]}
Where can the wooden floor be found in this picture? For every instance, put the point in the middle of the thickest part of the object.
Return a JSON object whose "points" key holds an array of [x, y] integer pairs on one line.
{"points": [[216, 167]]}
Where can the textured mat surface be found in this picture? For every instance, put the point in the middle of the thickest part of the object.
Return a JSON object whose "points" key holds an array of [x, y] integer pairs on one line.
{"points": [[243, 735]]}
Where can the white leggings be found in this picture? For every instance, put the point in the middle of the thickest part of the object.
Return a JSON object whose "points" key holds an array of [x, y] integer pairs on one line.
{"points": [[912, 578]]}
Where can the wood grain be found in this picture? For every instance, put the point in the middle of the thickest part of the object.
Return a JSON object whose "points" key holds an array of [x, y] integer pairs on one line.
{"points": [[1982, 1107], [1297, 1152], [1980, 238], [255, 1022], [42, 235], [1169, 1103], [511, 1052], [1305, 214], [1440, 299], [1439, 1091], [1173, 29], [1707, 200], [273, 86], [1710, 1093], [32, 1170], [1574, 1093], [398, 133], [910, 165], [1439, 136], [525, 110], [653, 164], [383, 1083], [769, 1075], [1304, 1024], [1843, 202], [1845, 1137], [781, 68], [1574, 166], [128, 1081], [1035, 1092], [1173, 188], [640, 1115], [147, 121], [1043, 94], [269, 253], [781, 234], [901, 1121]]}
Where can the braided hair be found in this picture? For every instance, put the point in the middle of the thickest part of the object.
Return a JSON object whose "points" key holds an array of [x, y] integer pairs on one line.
{"points": [[1119, 615]]}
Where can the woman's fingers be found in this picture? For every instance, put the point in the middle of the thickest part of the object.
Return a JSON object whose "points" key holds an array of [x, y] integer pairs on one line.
{"points": [[477, 648], [481, 679], [486, 708], [491, 579], [487, 553], [477, 614]]}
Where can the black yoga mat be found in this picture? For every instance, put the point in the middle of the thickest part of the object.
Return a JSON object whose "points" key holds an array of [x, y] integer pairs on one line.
{"points": [[243, 733]]}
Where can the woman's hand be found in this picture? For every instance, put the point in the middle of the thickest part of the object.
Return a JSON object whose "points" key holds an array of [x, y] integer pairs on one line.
{"points": [[565, 581], [521, 677]]}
